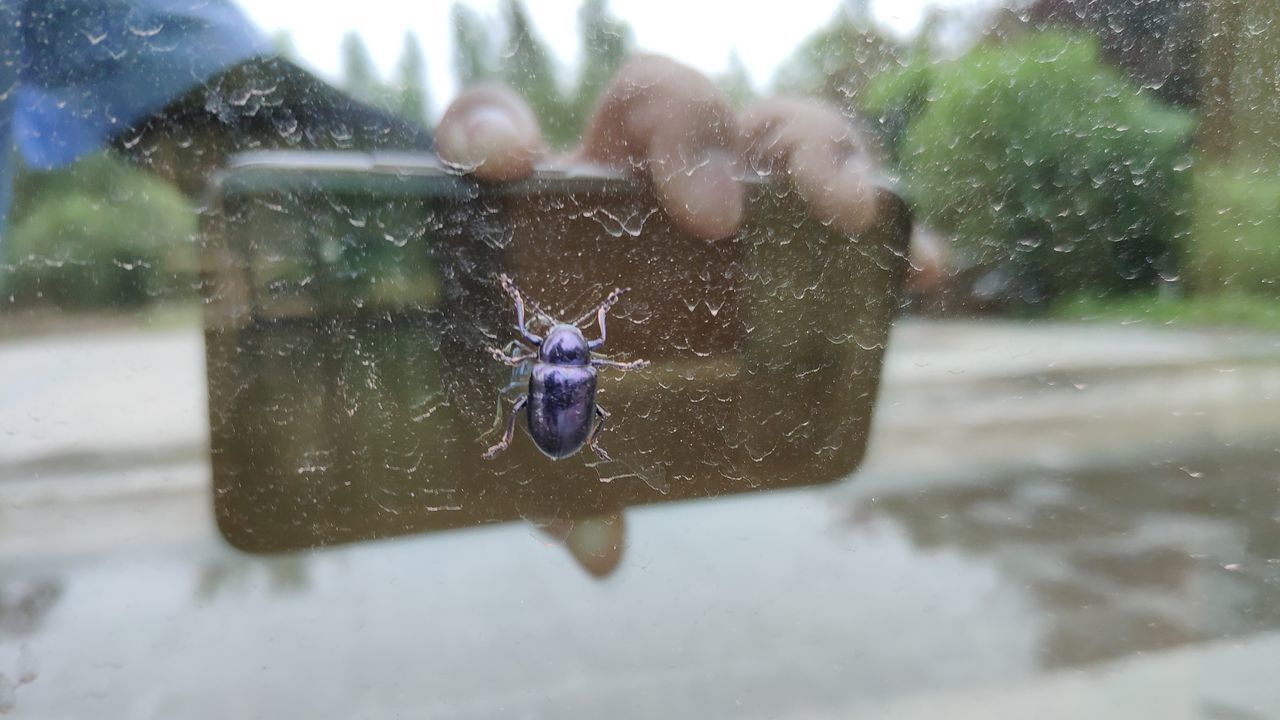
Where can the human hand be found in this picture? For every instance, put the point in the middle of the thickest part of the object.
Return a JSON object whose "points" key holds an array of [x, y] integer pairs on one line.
{"points": [[664, 120]]}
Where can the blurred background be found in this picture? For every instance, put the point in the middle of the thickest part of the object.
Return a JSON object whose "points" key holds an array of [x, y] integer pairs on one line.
{"points": [[1070, 505], [1066, 159]]}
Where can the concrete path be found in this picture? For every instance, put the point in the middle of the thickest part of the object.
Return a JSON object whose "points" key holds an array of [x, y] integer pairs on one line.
{"points": [[1053, 521]]}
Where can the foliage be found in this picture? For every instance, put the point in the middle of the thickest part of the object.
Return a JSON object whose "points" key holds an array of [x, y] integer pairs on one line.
{"points": [[411, 81], [1231, 308], [525, 64], [1159, 44], [101, 234], [606, 41], [1235, 239], [892, 101], [528, 68], [736, 82], [1237, 190], [359, 77], [406, 96], [1037, 155], [472, 50], [105, 235], [839, 61]]}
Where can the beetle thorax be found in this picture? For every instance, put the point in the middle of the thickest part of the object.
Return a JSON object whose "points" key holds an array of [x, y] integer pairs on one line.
{"points": [[565, 345]]}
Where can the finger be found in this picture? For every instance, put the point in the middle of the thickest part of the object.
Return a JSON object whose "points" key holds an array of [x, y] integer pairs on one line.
{"points": [[930, 263], [663, 118], [490, 132], [596, 543], [822, 154]]}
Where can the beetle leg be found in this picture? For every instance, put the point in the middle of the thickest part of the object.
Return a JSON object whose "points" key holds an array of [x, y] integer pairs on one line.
{"points": [[497, 410], [546, 317], [608, 303], [624, 366], [518, 345], [516, 297], [505, 442], [505, 356], [600, 313], [601, 415], [519, 381], [616, 365]]}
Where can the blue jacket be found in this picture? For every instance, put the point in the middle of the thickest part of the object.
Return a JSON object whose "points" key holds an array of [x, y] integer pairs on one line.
{"points": [[74, 73]]}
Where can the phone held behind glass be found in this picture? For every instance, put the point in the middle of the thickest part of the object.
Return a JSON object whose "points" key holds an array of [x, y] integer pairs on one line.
{"points": [[352, 302]]}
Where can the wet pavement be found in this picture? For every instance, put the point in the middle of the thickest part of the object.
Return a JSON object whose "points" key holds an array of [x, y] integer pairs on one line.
{"points": [[1052, 521]]}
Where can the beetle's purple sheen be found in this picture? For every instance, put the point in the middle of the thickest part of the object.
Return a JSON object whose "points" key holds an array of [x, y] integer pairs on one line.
{"points": [[562, 393], [560, 407]]}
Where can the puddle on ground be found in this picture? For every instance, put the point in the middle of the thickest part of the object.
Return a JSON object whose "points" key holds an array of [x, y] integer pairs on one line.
{"points": [[1120, 560]]}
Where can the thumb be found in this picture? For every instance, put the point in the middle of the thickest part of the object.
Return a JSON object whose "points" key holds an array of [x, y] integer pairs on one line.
{"points": [[491, 133]]}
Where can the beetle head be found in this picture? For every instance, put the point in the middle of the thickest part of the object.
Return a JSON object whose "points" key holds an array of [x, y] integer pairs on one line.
{"points": [[564, 345]]}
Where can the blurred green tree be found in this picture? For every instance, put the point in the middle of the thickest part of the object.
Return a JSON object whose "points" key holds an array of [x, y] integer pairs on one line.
{"points": [[406, 95], [1037, 156], [411, 81], [840, 60], [99, 234], [606, 42], [1237, 188], [736, 82], [527, 66], [473, 54], [529, 69], [359, 77], [892, 101]]}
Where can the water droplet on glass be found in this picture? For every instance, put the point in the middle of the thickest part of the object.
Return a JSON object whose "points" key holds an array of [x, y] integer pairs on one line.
{"points": [[146, 29]]}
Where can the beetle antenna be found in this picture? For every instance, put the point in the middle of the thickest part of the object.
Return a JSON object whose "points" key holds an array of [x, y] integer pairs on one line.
{"points": [[543, 315], [510, 287], [602, 307]]}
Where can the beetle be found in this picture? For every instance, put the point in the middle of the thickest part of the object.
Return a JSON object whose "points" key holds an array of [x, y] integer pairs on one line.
{"points": [[560, 402]]}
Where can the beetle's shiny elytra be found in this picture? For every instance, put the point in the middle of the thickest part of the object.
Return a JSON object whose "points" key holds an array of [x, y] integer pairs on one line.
{"points": [[560, 401]]}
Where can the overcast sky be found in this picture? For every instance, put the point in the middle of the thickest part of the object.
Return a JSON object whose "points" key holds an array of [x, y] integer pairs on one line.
{"points": [[701, 33]]}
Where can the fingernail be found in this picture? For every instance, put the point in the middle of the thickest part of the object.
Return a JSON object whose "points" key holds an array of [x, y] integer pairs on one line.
{"points": [[490, 131], [482, 135]]}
